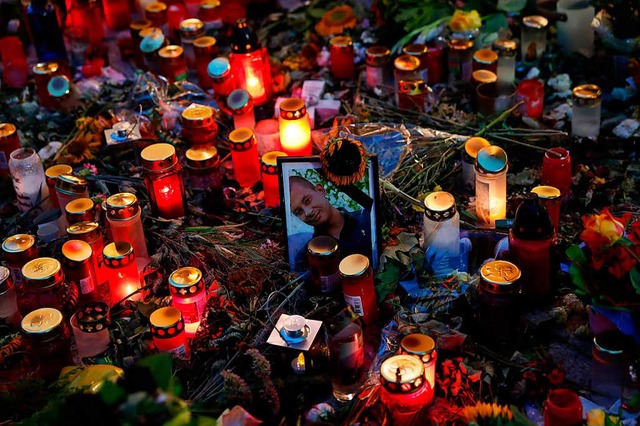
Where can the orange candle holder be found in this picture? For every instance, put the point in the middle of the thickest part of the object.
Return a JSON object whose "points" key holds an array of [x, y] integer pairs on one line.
{"points": [[244, 155], [295, 129], [269, 166]]}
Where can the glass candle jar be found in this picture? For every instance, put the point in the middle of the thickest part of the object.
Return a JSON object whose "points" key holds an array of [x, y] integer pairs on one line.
{"points": [[491, 185], [412, 94], [435, 62], [222, 79], [152, 41], [342, 61], [18, 250], [556, 170], [209, 13], [198, 125], [587, 105], [90, 326], [69, 188], [419, 51], [123, 216], [135, 28], [43, 72], [268, 135], [244, 155], [156, 13], [295, 129], [9, 142], [424, 348], [172, 62], [609, 364], [203, 168], [498, 291], [471, 148], [551, 200], [190, 29], [441, 233], [205, 50], [460, 59], [357, 287], [117, 14], [575, 34], [485, 59], [323, 255], [44, 286], [28, 179], [562, 408], [532, 93], [250, 63], [163, 179], [80, 210], [78, 267], [90, 233], [167, 329], [270, 182], [346, 360], [404, 391], [189, 296], [51, 176], [405, 67], [533, 37], [47, 342], [241, 106], [506, 50], [377, 59], [8, 301], [121, 271]]}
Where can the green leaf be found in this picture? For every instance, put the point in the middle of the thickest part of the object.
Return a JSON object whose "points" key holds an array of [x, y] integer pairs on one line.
{"points": [[387, 280], [576, 254], [578, 279], [495, 23], [160, 366], [315, 13], [511, 5], [111, 393], [635, 278]]}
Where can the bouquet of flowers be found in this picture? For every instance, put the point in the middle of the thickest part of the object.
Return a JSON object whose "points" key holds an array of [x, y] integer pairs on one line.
{"points": [[606, 267]]}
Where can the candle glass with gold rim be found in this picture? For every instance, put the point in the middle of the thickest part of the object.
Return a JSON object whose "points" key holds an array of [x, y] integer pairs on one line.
{"points": [[533, 37], [190, 29], [240, 104], [51, 176], [377, 62], [44, 286], [80, 210], [506, 50], [163, 179], [173, 64], [357, 287], [122, 272], [124, 217], [551, 199], [342, 61], [460, 59], [90, 233], [43, 73], [189, 296], [270, 182], [587, 106], [9, 142], [203, 168], [498, 293], [323, 255], [205, 50], [199, 126], [295, 129], [78, 267], [424, 348], [485, 59], [18, 250], [47, 341], [168, 331], [244, 155], [405, 391], [441, 233]]}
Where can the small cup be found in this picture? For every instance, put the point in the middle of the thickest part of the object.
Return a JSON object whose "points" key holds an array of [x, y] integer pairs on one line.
{"points": [[495, 98]]}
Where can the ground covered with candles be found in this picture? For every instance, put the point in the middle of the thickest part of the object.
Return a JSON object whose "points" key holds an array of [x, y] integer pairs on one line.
{"points": [[285, 212]]}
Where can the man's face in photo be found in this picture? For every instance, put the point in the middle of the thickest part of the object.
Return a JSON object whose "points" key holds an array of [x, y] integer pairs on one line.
{"points": [[309, 204]]}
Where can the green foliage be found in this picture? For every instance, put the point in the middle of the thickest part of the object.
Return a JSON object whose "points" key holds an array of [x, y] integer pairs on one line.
{"points": [[635, 278], [387, 280], [160, 367]]}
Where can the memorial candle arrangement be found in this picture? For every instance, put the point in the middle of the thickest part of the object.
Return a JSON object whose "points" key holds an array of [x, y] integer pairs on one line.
{"points": [[47, 341], [424, 348], [69, 188], [533, 38], [189, 296], [152, 41], [357, 287], [250, 63], [441, 233], [18, 250], [44, 286], [587, 105], [8, 300], [404, 389], [163, 179], [121, 271], [78, 267], [240, 104], [269, 167], [471, 148], [295, 129], [342, 61], [156, 13], [124, 218], [491, 185], [51, 176], [167, 329], [377, 59], [9, 142], [405, 67], [244, 154], [28, 179]]}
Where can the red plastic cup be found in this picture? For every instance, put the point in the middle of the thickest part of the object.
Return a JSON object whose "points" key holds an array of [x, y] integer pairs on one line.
{"points": [[562, 408], [532, 93]]}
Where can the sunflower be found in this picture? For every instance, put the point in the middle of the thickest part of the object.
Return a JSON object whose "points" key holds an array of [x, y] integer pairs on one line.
{"points": [[336, 20], [344, 161]]}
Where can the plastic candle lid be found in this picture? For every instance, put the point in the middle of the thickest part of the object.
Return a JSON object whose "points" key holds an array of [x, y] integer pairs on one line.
{"points": [[170, 52], [59, 86], [41, 321], [18, 243], [82, 228], [406, 63], [191, 26], [546, 192], [117, 250], [354, 265], [500, 272], [492, 159], [42, 272], [140, 25], [415, 49], [505, 47], [485, 56], [419, 344], [401, 370], [158, 156], [324, 245], [202, 157], [460, 44], [165, 317], [535, 21], [439, 206], [292, 108], [45, 68], [76, 250], [341, 41], [93, 317], [71, 184], [218, 67], [185, 277], [238, 100], [57, 170], [155, 7], [204, 41]]}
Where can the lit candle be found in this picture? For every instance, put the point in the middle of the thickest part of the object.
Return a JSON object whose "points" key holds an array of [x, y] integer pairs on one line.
{"points": [[9, 142], [270, 182], [268, 135], [189, 296], [491, 185], [587, 104], [244, 155], [240, 104], [358, 288], [404, 389], [167, 329], [121, 271], [551, 200], [469, 154], [163, 179], [342, 62], [442, 233], [412, 94], [420, 51], [78, 267], [405, 67], [250, 63], [532, 93], [91, 233], [51, 175], [533, 38], [125, 223], [298, 364], [295, 130], [424, 348]]}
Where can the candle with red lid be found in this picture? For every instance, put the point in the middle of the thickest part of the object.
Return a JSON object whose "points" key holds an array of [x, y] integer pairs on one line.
{"points": [[176, 13], [90, 233], [270, 182], [198, 125], [163, 179], [404, 391], [532, 93], [205, 50], [562, 408], [9, 142], [189, 296], [168, 331], [342, 61], [295, 130], [121, 271], [556, 170], [80, 210], [244, 154], [357, 286]]}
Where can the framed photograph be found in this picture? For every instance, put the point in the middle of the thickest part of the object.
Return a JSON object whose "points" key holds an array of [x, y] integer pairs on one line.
{"points": [[314, 206]]}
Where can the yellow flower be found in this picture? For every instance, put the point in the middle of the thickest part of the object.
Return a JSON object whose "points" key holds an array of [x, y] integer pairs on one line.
{"points": [[336, 20], [487, 411], [595, 417], [463, 21]]}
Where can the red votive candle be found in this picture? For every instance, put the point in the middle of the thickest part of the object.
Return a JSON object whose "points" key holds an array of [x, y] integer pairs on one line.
{"points": [[420, 51], [173, 64], [556, 170], [90, 233], [357, 286], [70, 187], [163, 179], [532, 93], [117, 14], [47, 341], [551, 200], [189, 296], [244, 155], [190, 29], [205, 50], [412, 94], [240, 104], [203, 168], [435, 63], [51, 177], [44, 286], [156, 13], [125, 223], [77, 263], [295, 129], [135, 28], [404, 389], [43, 73], [424, 348], [198, 125], [485, 59], [342, 62], [121, 271], [223, 81], [269, 165], [80, 210], [18, 250], [250, 63], [9, 142], [167, 329], [562, 408]]}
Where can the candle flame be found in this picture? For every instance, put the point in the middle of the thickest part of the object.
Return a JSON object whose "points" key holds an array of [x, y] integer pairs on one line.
{"points": [[301, 361]]}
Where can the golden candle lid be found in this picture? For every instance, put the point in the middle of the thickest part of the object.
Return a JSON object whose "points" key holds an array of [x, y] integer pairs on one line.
{"points": [[171, 52], [270, 160], [492, 159], [415, 49], [7, 129], [76, 250], [155, 7], [535, 21], [139, 25], [484, 76], [122, 206], [117, 250], [485, 56], [500, 272], [191, 26], [197, 113], [323, 245], [505, 47], [439, 206], [41, 269], [204, 41], [153, 32], [59, 169], [460, 44], [354, 265], [402, 373], [377, 55], [202, 157], [79, 206], [18, 243], [44, 68], [186, 277], [41, 321], [475, 144], [406, 63], [546, 192], [242, 139], [586, 94], [341, 41], [83, 229], [209, 4], [418, 344], [165, 322], [71, 184], [158, 156]]}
